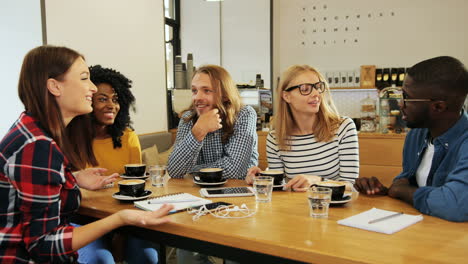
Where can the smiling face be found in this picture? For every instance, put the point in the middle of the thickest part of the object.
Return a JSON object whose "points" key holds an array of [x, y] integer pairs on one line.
{"points": [[303, 104], [74, 92], [105, 104], [203, 93]]}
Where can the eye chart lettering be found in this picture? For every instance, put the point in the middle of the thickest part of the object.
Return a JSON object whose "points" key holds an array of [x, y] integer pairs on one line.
{"points": [[344, 34], [339, 22]]}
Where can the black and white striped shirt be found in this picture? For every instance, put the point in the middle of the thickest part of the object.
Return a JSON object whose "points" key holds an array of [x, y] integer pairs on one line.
{"points": [[335, 160]]}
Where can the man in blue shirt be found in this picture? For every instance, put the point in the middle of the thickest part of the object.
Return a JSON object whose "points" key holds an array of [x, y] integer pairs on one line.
{"points": [[435, 156]]}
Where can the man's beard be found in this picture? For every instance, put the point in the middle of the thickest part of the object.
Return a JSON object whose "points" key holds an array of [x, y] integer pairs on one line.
{"points": [[422, 121]]}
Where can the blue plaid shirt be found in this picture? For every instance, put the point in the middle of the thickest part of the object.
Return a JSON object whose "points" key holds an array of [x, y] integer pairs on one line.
{"points": [[235, 157]]}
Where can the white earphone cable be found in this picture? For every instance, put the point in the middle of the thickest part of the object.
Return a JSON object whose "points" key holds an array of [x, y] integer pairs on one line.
{"points": [[223, 211]]}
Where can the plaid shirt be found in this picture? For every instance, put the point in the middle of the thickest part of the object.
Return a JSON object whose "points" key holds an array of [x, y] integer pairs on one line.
{"points": [[38, 193], [235, 157]]}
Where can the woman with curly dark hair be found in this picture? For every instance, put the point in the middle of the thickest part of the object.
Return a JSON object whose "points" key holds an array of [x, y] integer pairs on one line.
{"points": [[115, 143]]}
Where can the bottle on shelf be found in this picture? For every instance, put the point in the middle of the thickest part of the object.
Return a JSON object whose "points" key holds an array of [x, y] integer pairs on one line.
{"points": [[368, 123], [258, 81], [179, 74], [378, 78], [385, 78], [394, 77], [190, 70], [401, 76], [384, 115]]}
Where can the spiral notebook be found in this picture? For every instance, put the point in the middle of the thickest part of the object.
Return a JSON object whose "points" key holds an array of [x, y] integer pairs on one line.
{"points": [[181, 201]]}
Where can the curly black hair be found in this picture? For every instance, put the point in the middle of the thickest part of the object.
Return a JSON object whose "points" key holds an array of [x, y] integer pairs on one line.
{"points": [[121, 86]]}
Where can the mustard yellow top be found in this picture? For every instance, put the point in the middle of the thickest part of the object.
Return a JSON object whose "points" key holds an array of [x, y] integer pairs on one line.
{"points": [[114, 159]]}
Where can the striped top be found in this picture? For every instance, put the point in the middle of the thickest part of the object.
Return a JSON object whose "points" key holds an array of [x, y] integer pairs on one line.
{"points": [[334, 160]]}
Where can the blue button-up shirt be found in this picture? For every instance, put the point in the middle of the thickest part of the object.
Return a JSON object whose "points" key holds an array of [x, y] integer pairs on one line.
{"points": [[446, 192]]}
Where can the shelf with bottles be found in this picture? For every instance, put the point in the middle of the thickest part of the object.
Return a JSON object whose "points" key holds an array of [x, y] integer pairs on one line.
{"points": [[385, 77], [353, 88]]}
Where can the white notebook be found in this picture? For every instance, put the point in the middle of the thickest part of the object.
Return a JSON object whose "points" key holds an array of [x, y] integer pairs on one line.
{"points": [[387, 226], [181, 201]]}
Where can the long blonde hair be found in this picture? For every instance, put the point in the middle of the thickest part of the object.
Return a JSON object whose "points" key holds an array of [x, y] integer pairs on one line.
{"points": [[328, 119], [228, 101]]}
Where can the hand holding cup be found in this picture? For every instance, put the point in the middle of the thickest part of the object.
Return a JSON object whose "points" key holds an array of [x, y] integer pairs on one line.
{"points": [[251, 173]]}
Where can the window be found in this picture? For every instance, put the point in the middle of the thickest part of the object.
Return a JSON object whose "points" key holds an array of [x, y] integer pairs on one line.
{"points": [[172, 38]]}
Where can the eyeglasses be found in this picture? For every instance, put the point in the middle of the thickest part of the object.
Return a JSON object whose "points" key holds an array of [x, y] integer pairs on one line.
{"points": [[306, 88], [405, 99]]}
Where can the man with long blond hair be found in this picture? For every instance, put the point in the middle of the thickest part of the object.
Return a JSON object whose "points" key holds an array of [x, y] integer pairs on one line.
{"points": [[217, 131], [310, 138]]}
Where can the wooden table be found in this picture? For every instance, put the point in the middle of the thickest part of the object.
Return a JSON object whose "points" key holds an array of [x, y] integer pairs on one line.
{"points": [[282, 231]]}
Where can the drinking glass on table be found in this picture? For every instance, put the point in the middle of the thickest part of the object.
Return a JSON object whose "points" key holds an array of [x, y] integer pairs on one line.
{"points": [[157, 173], [263, 187], [319, 201]]}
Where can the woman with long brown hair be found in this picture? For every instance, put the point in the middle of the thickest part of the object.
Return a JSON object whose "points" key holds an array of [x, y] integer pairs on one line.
{"points": [[309, 137], [39, 193]]}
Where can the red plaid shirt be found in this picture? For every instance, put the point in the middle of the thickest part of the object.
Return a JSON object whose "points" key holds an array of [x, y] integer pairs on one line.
{"points": [[38, 194]]}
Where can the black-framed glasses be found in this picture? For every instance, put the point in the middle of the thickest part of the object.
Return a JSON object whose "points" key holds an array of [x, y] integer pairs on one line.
{"points": [[405, 99], [306, 88]]}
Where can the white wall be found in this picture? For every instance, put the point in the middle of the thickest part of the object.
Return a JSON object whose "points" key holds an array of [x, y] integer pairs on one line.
{"points": [[200, 31], [20, 31], [125, 35], [242, 47], [245, 39], [396, 33]]}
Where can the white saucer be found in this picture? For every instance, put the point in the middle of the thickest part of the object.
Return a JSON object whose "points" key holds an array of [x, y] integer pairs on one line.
{"points": [[134, 177], [346, 198], [120, 197], [209, 183]]}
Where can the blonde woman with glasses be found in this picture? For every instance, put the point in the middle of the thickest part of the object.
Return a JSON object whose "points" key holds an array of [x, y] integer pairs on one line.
{"points": [[310, 138]]}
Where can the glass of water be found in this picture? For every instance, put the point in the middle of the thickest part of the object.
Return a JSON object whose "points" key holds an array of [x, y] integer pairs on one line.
{"points": [[263, 187], [157, 173], [319, 201]]}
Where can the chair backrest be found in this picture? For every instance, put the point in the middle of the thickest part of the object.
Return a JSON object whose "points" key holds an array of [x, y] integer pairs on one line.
{"points": [[163, 140]]}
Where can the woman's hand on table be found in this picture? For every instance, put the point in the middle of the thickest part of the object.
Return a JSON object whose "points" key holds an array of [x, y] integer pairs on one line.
{"points": [[93, 179], [146, 218], [300, 183], [251, 173]]}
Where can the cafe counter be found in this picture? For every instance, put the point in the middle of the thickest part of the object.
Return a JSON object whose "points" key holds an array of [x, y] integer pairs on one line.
{"points": [[380, 155]]}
